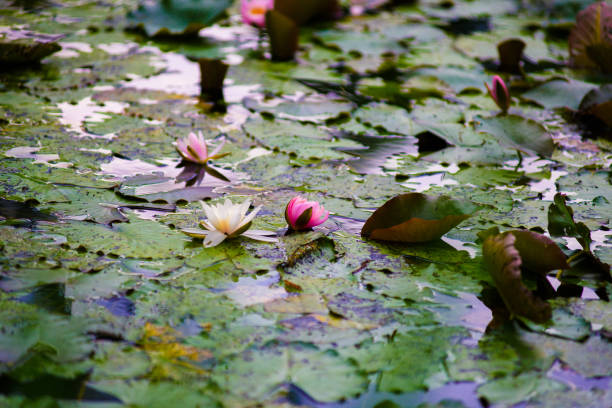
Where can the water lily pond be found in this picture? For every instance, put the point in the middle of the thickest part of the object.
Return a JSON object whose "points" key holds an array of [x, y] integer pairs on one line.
{"points": [[367, 203]]}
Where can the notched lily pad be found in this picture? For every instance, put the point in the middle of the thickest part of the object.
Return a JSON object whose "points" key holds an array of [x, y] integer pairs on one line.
{"points": [[416, 217]]}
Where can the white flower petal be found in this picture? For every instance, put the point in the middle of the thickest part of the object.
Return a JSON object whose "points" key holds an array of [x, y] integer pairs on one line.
{"points": [[207, 225], [211, 214], [249, 217], [213, 238], [234, 218], [195, 232], [261, 235]]}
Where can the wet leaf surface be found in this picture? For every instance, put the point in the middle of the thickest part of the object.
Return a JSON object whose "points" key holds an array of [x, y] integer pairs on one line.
{"points": [[103, 301]]}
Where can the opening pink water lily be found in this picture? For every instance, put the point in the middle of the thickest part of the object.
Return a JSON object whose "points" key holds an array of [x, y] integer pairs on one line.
{"points": [[193, 148], [302, 214], [254, 11], [499, 93]]}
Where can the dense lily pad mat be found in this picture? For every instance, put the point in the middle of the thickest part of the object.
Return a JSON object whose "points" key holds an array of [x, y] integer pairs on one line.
{"points": [[104, 302]]}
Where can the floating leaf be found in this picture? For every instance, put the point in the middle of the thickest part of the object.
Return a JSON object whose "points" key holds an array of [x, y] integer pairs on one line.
{"points": [[18, 46], [590, 41], [177, 16], [415, 217], [538, 252], [518, 133], [503, 261], [303, 303], [559, 93]]}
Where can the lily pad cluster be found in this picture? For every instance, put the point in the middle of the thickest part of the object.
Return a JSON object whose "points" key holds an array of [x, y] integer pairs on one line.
{"points": [[443, 253]]}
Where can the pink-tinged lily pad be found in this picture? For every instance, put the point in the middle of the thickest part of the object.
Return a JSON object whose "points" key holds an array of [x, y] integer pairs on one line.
{"points": [[503, 261], [590, 42], [416, 217]]}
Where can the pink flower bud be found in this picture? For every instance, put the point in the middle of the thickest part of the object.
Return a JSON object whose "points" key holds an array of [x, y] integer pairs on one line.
{"points": [[301, 214], [499, 93], [254, 11]]}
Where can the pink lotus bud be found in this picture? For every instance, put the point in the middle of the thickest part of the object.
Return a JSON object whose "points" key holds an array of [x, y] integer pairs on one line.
{"points": [[301, 214], [254, 11], [499, 93], [193, 148]]}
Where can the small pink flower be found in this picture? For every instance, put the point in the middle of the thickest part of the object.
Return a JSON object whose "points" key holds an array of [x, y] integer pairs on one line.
{"points": [[302, 214], [499, 93], [254, 11], [193, 148]]}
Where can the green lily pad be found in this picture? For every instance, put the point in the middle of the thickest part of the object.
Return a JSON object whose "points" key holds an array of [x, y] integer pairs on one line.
{"points": [[177, 16], [518, 133], [559, 93], [19, 46]]}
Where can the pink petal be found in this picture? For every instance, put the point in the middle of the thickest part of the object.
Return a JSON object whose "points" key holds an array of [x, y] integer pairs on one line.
{"points": [[195, 143], [319, 216], [218, 148], [254, 11], [182, 148]]}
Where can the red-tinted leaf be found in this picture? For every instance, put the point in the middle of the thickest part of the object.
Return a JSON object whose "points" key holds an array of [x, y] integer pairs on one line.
{"points": [[416, 217], [590, 41], [503, 261], [539, 253]]}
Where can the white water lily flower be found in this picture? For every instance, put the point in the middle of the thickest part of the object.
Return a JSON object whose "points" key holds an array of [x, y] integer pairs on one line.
{"points": [[228, 220]]}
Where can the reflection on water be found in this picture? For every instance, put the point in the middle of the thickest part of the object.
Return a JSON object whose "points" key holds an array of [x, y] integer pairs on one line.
{"points": [[254, 290], [74, 115], [26, 152], [463, 393], [181, 75], [575, 381], [163, 178]]}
